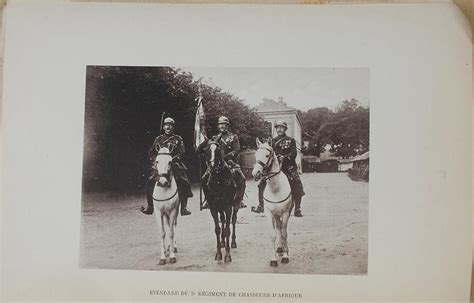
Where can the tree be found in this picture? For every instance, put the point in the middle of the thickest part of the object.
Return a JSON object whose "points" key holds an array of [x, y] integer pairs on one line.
{"points": [[346, 129], [123, 112], [314, 122]]}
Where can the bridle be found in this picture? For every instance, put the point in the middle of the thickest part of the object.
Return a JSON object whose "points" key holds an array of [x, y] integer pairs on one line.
{"points": [[267, 166], [217, 169], [214, 167], [268, 175], [168, 174]]}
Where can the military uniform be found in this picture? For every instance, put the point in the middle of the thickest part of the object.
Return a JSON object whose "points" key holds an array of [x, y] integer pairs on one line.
{"points": [[285, 149], [176, 146], [230, 146]]}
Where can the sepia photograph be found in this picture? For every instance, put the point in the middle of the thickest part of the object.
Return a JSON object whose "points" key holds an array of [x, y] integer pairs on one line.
{"points": [[213, 169]]}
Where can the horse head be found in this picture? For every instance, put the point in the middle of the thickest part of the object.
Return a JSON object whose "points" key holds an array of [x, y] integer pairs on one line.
{"points": [[214, 155], [264, 157], [163, 166]]}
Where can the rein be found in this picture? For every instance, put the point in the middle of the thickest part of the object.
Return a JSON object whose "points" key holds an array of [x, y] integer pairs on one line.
{"points": [[168, 177], [268, 175], [276, 202], [218, 170], [167, 199], [265, 174]]}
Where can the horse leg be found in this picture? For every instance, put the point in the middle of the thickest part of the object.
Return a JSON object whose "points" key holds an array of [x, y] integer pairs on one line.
{"points": [[284, 237], [173, 214], [228, 214], [163, 238], [279, 242], [217, 230], [175, 225], [235, 210], [222, 217], [273, 259]]}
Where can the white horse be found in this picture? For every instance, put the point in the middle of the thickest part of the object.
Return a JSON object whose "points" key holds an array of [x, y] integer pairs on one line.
{"points": [[277, 197], [166, 203]]}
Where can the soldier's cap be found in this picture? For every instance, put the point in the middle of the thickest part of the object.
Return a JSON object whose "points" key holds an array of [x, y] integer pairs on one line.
{"points": [[168, 121], [223, 120], [281, 123]]}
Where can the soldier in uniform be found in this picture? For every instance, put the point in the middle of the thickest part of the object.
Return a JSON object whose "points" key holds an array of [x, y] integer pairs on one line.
{"points": [[175, 144], [285, 149], [229, 144]]}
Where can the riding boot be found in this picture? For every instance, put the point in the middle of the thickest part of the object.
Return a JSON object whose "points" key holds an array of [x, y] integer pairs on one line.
{"points": [[186, 185], [149, 197], [298, 207], [184, 203], [239, 179], [259, 208], [204, 180]]}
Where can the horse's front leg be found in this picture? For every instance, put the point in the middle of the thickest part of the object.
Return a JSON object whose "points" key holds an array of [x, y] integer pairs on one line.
{"points": [[173, 216], [222, 218], [175, 225], [217, 230], [284, 237], [228, 215], [273, 225], [235, 209], [163, 220]]}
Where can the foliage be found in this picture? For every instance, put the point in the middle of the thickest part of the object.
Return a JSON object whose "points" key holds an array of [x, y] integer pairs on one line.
{"points": [[123, 111], [346, 129]]}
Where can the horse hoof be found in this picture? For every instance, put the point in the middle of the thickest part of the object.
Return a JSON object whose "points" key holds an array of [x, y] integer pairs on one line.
{"points": [[285, 260], [273, 263], [279, 250], [162, 262], [233, 245], [218, 257], [227, 259], [173, 260], [175, 250]]}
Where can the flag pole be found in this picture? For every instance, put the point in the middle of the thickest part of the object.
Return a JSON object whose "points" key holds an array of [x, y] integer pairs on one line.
{"points": [[161, 122], [199, 154], [200, 184]]}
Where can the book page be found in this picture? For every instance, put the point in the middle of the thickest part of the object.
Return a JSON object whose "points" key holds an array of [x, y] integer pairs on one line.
{"points": [[237, 152]]}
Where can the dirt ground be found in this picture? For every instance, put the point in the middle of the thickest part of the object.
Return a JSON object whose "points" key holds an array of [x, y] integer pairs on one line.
{"points": [[331, 238]]}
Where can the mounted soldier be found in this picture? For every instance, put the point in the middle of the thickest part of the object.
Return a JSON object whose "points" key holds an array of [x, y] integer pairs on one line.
{"points": [[230, 145], [176, 146], [285, 149]]}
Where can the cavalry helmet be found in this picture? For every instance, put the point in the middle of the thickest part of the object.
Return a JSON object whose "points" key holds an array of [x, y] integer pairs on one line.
{"points": [[223, 120], [281, 123], [168, 121]]}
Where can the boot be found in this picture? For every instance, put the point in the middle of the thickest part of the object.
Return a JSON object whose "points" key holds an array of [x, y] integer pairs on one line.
{"points": [[184, 211], [298, 207], [149, 197], [259, 208], [187, 189]]}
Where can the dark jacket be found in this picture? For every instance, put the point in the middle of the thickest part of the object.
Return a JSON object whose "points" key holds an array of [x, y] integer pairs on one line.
{"points": [[230, 145], [173, 142], [286, 147]]}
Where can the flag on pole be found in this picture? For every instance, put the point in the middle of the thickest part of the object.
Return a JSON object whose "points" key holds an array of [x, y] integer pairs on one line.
{"points": [[199, 132]]}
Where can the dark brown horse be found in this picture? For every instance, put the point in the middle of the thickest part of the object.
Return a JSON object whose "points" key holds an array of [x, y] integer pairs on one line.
{"points": [[219, 188]]}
